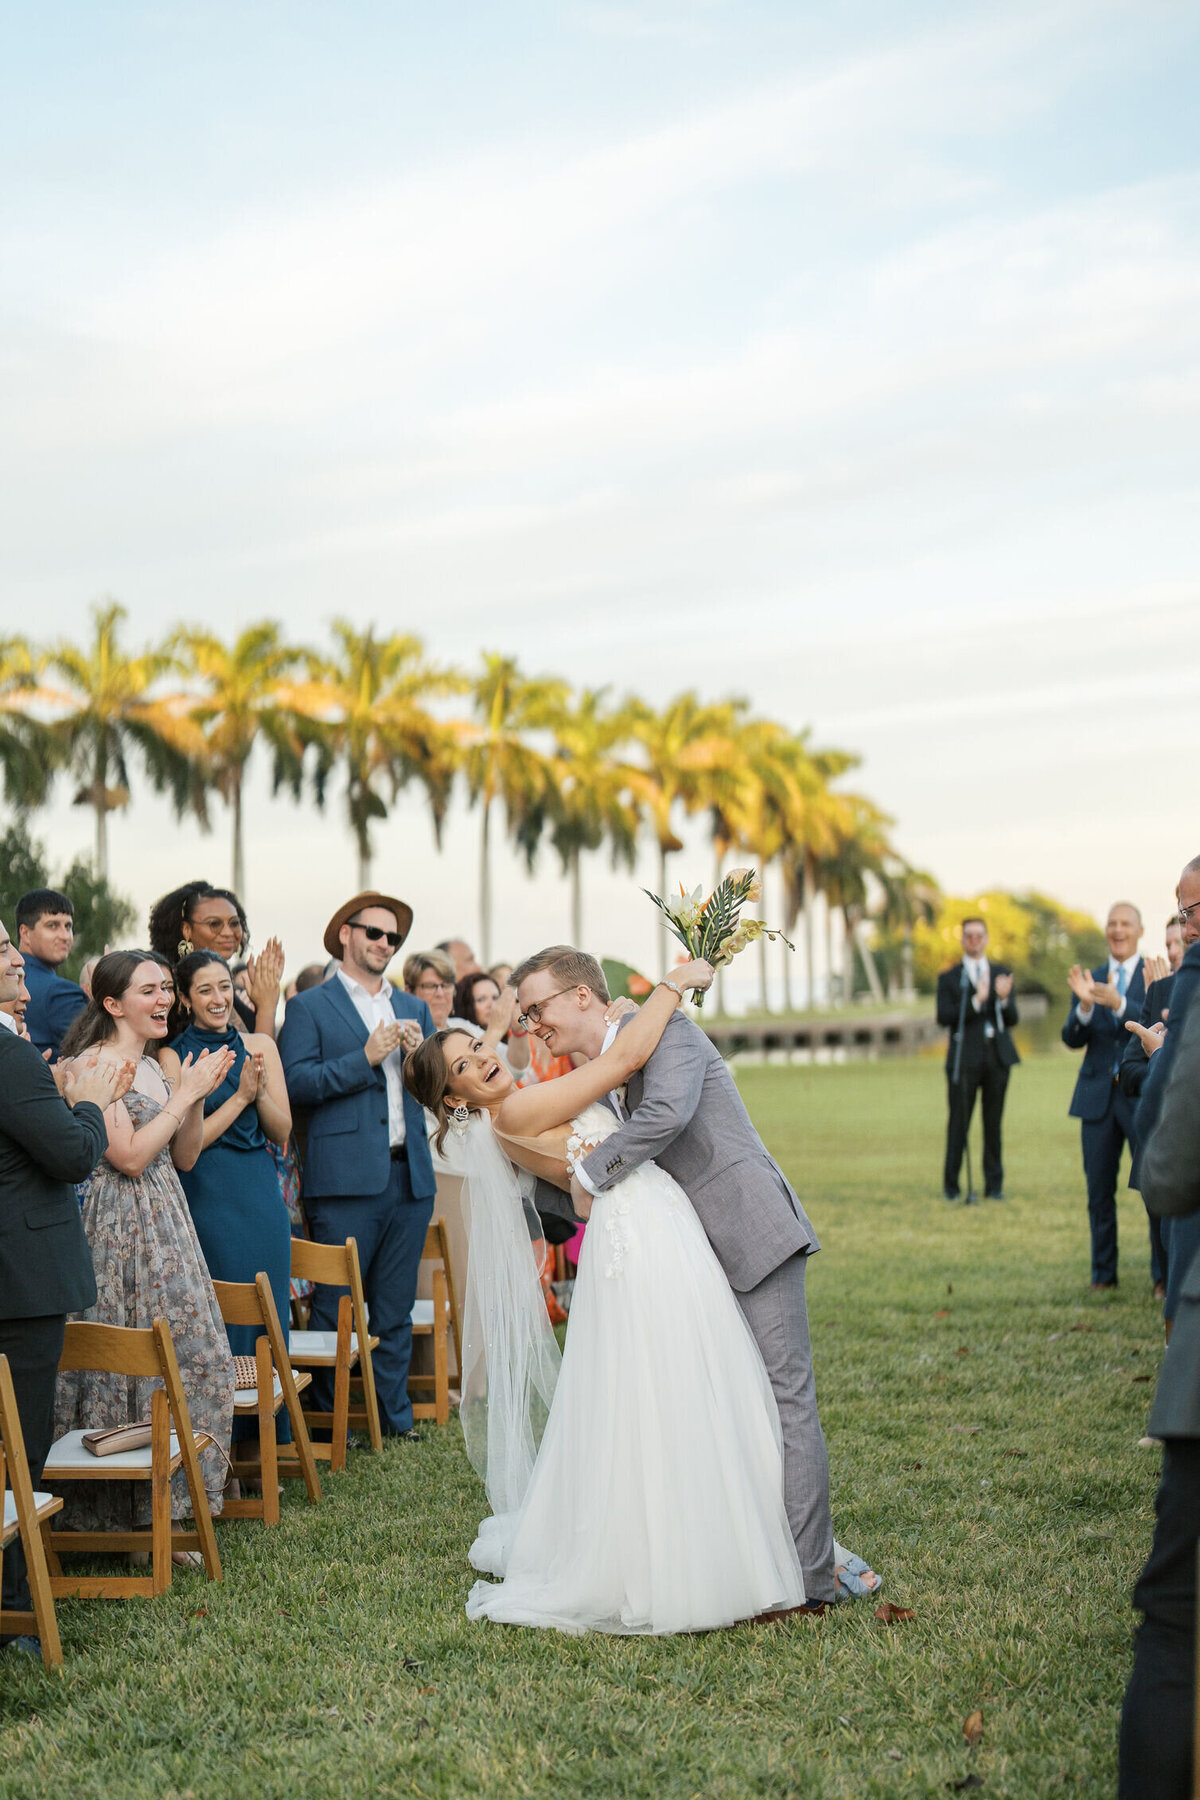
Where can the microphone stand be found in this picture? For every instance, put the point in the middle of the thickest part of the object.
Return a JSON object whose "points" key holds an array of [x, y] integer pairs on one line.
{"points": [[959, 1085]]}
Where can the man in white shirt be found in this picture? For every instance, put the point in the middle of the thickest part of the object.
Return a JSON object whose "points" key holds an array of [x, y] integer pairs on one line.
{"points": [[367, 1168], [1104, 998]]}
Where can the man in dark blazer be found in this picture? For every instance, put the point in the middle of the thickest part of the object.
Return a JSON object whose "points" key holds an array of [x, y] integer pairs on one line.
{"points": [[48, 1141], [1135, 1066], [1103, 999], [1157, 1736], [368, 1173], [975, 997], [45, 934]]}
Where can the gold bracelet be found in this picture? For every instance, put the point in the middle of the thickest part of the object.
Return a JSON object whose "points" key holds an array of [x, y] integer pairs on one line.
{"points": [[173, 1115]]}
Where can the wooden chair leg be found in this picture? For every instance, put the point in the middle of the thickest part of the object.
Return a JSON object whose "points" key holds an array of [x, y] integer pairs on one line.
{"points": [[441, 1377], [268, 1449], [302, 1450], [341, 1387], [160, 1492]]}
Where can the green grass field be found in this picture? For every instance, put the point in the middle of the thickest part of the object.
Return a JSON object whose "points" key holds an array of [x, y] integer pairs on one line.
{"points": [[982, 1412]]}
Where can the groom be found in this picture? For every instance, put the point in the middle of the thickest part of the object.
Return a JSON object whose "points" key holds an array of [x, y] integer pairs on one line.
{"points": [[684, 1111]]}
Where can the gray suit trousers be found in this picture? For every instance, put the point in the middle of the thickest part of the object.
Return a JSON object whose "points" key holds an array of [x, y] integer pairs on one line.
{"points": [[777, 1315]]}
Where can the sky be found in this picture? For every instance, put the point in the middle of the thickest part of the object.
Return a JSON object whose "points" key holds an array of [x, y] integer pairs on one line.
{"points": [[844, 359]]}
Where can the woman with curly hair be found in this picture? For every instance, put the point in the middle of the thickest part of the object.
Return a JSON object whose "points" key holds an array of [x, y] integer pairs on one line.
{"points": [[198, 916]]}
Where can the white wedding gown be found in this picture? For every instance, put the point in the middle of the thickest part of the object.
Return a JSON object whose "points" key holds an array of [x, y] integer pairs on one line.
{"points": [[656, 1503]]}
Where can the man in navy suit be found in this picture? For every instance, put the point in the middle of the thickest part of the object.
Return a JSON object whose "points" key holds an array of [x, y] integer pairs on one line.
{"points": [[45, 934], [976, 995], [368, 1173], [1096, 1025]]}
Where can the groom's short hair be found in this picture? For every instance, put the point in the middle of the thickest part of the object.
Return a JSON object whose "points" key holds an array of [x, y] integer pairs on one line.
{"points": [[571, 967]]}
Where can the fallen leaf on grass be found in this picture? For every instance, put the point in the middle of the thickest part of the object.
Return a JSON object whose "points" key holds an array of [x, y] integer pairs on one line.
{"points": [[896, 1755], [422, 1725], [411, 1662], [913, 1465], [889, 1614], [967, 1784], [1014, 1453], [842, 1719], [963, 1350], [1139, 1378], [949, 1287], [943, 1314], [973, 1727], [1080, 1326], [969, 1429], [201, 1612]]}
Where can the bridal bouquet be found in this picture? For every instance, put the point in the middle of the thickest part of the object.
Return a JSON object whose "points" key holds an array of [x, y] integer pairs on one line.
{"points": [[714, 928]]}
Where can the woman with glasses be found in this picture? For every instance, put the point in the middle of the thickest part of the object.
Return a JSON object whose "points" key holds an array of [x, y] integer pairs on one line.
{"points": [[429, 974], [199, 916]]}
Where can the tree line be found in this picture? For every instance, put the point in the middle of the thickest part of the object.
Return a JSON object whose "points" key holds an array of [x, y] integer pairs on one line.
{"points": [[577, 769]]}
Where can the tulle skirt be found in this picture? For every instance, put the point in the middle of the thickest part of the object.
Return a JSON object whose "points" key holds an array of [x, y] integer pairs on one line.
{"points": [[656, 1502]]}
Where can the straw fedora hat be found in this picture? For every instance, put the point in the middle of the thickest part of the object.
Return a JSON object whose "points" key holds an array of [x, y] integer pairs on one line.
{"points": [[344, 914]]}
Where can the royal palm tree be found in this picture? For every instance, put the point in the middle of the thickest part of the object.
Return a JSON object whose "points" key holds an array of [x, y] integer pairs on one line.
{"points": [[910, 896], [249, 691], [108, 709], [503, 763], [681, 748], [862, 850], [367, 712], [24, 741], [595, 797]]}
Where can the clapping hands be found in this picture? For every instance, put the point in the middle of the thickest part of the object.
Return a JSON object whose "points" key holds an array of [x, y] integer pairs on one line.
{"points": [[198, 1079], [1090, 992], [264, 973]]}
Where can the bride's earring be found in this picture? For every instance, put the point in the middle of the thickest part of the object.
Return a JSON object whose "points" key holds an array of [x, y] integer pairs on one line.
{"points": [[460, 1118]]}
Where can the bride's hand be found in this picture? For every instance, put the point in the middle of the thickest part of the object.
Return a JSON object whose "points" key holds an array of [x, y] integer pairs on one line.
{"points": [[698, 975], [619, 1009]]}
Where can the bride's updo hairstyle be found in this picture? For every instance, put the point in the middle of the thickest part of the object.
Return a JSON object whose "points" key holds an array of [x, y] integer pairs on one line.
{"points": [[427, 1078]]}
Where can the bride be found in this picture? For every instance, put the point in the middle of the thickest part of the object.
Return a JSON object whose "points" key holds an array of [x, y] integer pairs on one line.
{"points": [[655, 1503]]}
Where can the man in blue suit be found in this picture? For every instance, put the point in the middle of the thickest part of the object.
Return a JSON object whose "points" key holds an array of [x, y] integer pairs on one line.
{"points": [[368, 1173], [1096, 1025], [45, 934]]}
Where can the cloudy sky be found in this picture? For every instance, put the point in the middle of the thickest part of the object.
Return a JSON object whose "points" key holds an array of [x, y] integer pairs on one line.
{"points": [[847, 359]]}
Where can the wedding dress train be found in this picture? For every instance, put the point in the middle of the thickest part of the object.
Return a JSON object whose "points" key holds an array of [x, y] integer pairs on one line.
{"points": [[655, 1504]]}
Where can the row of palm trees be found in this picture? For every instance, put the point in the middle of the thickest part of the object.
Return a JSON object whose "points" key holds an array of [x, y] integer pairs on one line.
{"points": [[574, 767]]}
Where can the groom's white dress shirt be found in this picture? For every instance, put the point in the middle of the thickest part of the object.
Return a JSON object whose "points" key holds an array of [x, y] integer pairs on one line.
{"points": [[617, 1098]]}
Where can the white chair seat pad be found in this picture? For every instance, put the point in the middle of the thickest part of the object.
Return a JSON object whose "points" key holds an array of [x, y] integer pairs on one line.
{"points": [[318, 1347], [249, 1396], [422, 1313], [10, 1508], [68, 1457]]}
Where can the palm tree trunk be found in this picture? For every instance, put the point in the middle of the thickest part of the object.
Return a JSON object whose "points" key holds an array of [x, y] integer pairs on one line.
{"points": [[868, 962], [906, 964], [101, 805], [485, 886], [239, 850], [576, 898], [830, 979], [364, 865], [847, 957], [808, 903], [787, 972]]}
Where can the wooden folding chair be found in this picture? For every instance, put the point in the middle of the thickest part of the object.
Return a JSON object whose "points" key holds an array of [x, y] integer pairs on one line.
{"points": [[345, 1350], [432, 1318], [25, 1514], [252, 1303], [149, 1354]]}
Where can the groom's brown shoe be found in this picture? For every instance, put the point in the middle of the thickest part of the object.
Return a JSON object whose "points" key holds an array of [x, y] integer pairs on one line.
{"points": [[814, 1608]]}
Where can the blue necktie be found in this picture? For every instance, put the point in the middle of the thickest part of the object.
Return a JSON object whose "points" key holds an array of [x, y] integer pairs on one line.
{"points": [[1122, 984]]}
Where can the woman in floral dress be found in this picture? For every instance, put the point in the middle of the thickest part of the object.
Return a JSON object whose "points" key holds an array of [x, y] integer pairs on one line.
{"points": [[147, 1259]]}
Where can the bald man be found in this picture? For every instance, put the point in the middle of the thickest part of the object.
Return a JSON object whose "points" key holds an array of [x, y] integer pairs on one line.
{"points": [[1103, 999]]}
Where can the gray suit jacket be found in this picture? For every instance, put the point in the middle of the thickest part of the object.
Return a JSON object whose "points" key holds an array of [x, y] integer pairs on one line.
{"points": [[685, 1112], [1170, 1173]]}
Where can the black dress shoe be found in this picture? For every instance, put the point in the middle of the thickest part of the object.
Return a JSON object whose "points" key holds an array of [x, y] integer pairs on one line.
{"points": [[972, 1199], [949, 1193], [411, 1436], [998, 1195]]}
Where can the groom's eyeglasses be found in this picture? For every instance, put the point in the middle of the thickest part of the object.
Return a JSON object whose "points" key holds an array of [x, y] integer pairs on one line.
{"points": [[533, 1013], [375, 932]]}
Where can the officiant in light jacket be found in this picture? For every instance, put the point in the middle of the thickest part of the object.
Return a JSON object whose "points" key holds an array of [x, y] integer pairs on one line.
{"points": [[367, 1168]]}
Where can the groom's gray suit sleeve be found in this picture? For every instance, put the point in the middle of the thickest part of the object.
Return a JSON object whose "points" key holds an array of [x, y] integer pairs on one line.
{"points": [[672, 1083]]}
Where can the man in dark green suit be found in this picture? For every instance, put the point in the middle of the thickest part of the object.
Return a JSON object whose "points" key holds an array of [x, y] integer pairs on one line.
{"points": [[48, 1141], [1157, 1734]]}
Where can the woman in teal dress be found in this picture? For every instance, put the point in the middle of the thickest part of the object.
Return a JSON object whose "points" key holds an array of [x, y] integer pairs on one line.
{"points": [[233, 1189]]}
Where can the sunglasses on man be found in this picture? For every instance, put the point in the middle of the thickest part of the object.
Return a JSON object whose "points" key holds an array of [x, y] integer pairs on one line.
{"points": [[375, 932]]}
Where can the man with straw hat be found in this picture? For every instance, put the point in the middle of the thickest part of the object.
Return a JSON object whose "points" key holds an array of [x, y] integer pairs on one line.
{"points": [[368, 1173]]}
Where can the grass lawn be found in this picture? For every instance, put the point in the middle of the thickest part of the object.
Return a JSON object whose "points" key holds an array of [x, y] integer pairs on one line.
{"points": [[981, 1409]]}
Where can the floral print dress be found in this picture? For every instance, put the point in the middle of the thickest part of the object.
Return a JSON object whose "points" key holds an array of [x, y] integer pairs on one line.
{"points": [[148, 1266]]}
